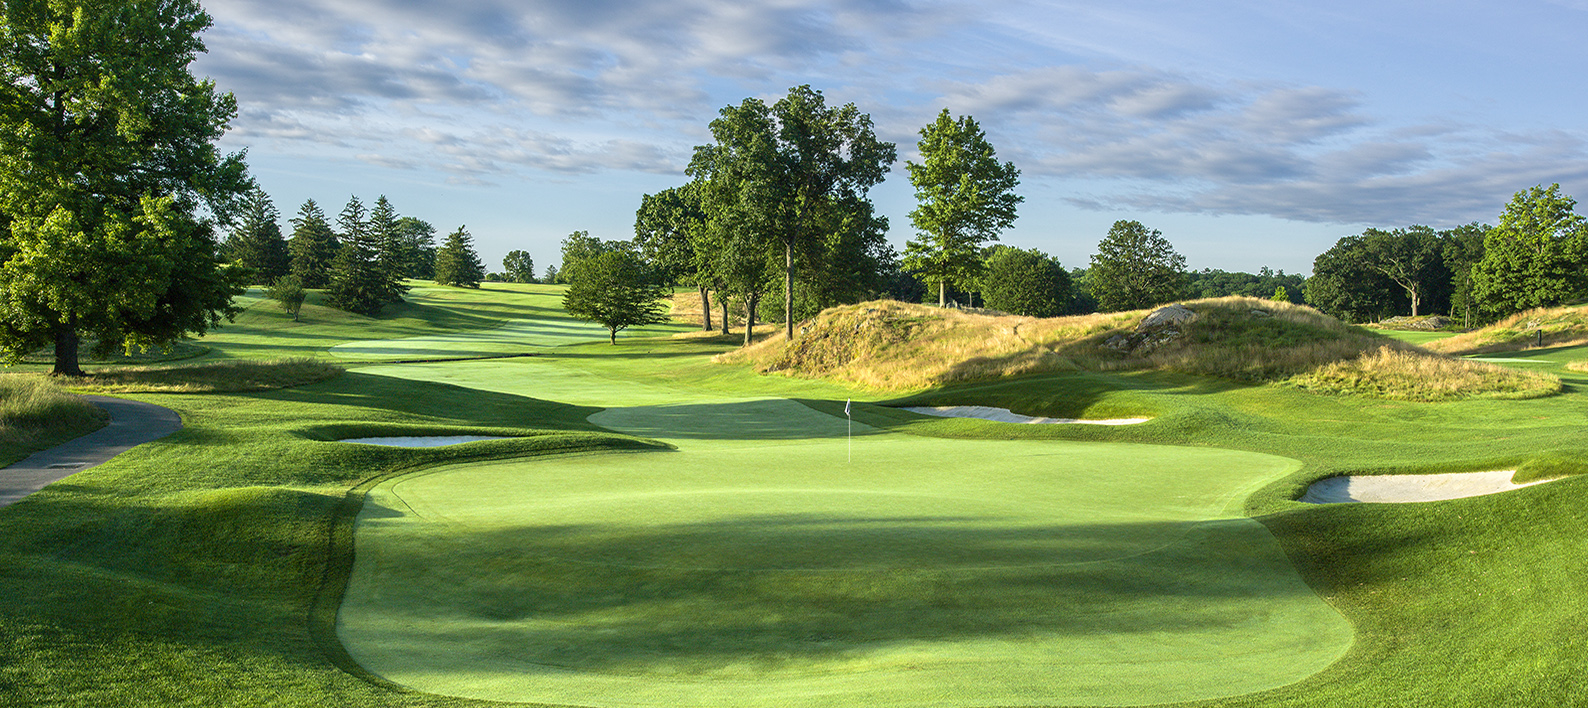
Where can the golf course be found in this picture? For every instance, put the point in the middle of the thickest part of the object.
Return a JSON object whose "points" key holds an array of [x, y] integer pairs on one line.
{"points": [[657, 525]]}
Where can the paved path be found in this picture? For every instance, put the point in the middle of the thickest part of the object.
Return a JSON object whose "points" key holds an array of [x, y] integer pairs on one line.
{"points": [[131, 424]]}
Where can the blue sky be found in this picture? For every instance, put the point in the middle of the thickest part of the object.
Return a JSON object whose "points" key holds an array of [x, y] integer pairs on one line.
{"points": [[1250, 132]]}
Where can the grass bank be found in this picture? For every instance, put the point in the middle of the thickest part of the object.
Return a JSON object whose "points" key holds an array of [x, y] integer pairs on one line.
{"points": [[36, 413], [1548, 327], [894, 346]]}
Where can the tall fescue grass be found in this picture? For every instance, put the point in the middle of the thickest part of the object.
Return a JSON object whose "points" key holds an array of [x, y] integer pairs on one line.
{"points": [[226, 376], [35, 410], [1411, 376], [898, 346], [1562, 327], [1578, 365]]}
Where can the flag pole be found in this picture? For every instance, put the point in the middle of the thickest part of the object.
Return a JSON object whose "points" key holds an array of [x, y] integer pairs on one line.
{"points": [[851, 418]]}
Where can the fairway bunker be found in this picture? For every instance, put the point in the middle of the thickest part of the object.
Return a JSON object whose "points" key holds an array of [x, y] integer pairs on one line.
{"points": [[1406, 488], [423, 440], [1004, 415]]}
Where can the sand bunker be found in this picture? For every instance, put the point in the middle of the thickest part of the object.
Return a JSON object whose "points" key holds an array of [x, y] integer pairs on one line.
{"points": [[1003, 415], [423, 441], [1402, 488]]}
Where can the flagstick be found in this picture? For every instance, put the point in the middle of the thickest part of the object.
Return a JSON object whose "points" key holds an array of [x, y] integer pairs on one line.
{"points": [[851, 418]]}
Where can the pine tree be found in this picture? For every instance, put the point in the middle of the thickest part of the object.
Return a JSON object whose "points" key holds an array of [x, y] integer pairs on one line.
{"points": [[256, 242], [457, 263], [391, 259], [313, 246], [357, 282]]}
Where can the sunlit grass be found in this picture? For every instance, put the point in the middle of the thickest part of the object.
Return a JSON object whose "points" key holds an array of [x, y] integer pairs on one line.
{"points": [[1555, 326], [1407, 376], [35, 413], [224, 376]]}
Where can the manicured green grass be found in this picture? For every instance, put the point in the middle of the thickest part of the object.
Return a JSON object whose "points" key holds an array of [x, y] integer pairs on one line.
{"points": [[1414, 336], [206, 568]]}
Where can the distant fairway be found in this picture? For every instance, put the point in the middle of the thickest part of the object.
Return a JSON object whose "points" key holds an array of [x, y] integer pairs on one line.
{"points": [[756, 566]]}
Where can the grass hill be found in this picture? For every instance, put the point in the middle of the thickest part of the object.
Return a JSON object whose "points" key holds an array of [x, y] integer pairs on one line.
{"points": [[1562, 327], [898, 346]]}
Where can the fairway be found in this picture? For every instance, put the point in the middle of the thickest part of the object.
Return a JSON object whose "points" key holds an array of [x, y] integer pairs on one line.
{"points": [[757, 565]]}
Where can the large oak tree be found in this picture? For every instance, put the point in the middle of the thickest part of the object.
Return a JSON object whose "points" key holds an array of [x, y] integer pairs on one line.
{"points": [[110, 181]]}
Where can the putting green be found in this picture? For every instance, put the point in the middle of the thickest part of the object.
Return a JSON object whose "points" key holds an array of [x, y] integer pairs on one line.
{"points": [[758, 565]]}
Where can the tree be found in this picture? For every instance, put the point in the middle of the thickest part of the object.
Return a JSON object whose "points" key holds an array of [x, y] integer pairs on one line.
{"points": [[1463, 249], [313, 246], [1536, 257], [256, 241], [616, 289], [667, 229], [1345, 286], [578, 246], [552, 277], [1135, 267], [417, 238], [1412, 258], [456, 262], [518, 267], [1280, 295], [794, 168], [1029, 283], [358, 283], [966, 197], [288, 292], [391, 258], [110, 181]]}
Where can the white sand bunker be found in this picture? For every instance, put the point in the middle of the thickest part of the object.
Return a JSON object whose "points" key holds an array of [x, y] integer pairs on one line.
{"points": [[424, 441], [1003, 415], [1401, 488]]}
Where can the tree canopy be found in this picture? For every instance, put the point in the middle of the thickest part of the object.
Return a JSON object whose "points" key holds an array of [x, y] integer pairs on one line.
{"points": [[1536, 256], [256, 241], [519, 267], [1022, 282], [110, 180], [615, 288], [313, 246], [457, 263], [965, 198], [1135, 267]]}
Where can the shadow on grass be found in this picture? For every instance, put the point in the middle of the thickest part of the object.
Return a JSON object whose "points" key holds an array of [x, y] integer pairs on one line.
{"points": [[794, 587]]}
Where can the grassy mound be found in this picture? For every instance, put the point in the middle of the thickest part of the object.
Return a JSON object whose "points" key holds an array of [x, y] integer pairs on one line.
{"points": [[225, 376], [35, 414], [898, 346], [1562, 327]]}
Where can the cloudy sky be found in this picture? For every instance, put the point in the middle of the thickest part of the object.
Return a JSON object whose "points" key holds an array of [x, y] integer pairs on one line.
{"points": [[1250, 132]]}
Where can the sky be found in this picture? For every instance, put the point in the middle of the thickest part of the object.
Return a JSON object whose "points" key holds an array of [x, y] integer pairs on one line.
{"points": [[1250, 133]]}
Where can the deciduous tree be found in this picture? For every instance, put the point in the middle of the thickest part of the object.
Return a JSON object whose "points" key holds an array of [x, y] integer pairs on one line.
{"points": [[965, 198], [616, 289], [109, 177], [1022, 282], [1135, 267], [288, 292], [1536, 256], [518, 267]]}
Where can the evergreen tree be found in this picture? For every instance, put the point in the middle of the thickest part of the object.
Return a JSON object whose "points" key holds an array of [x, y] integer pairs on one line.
{"points": [[418, 246], [357, 282], [966, 197], [256, 241], [313, 246], [1135, 267], [457, 263], [392, 257]]}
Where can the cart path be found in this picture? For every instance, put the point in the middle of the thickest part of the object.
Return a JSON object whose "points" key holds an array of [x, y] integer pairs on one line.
{"points": [[131, 424]]}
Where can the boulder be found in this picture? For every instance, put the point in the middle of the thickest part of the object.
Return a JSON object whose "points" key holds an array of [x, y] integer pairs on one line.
{"points": [[1158, 328]]}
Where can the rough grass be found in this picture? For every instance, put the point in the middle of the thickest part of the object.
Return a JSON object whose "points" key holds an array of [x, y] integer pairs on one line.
{"points": [[35, 413], [1578, 365], [1562, 327], [1404, 375], [897, 346], [223, 376]]}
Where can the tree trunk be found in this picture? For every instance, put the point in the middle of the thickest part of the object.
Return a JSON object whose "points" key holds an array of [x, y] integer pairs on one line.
{"points": [[705, 309], [942, 293], [1414, 302], [612, 332], [66, 341], [749, 317], [724, 300], [788, 288]]}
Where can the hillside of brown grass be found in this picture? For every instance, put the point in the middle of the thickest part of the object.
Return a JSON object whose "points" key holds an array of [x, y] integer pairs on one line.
{"points": [[898, 346], [1562, 327]]}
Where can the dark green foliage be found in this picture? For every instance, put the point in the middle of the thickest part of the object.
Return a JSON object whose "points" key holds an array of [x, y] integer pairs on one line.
{"points": [[392, 258], [966, 197], [107, 156], [313, 246], [288, 292], [670, 233], [1135, 267], [1022, 282], [1413, 259], [1463, 249], [256, 241], [417, 243], [616, 289], [1344, 286], [358, 283], [518, 267], [1209, 283], [456, 262], [1536, 257], [577, 247]]}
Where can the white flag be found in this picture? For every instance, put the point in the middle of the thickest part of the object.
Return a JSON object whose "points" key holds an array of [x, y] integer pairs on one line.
{"points": [[846, 407]]}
